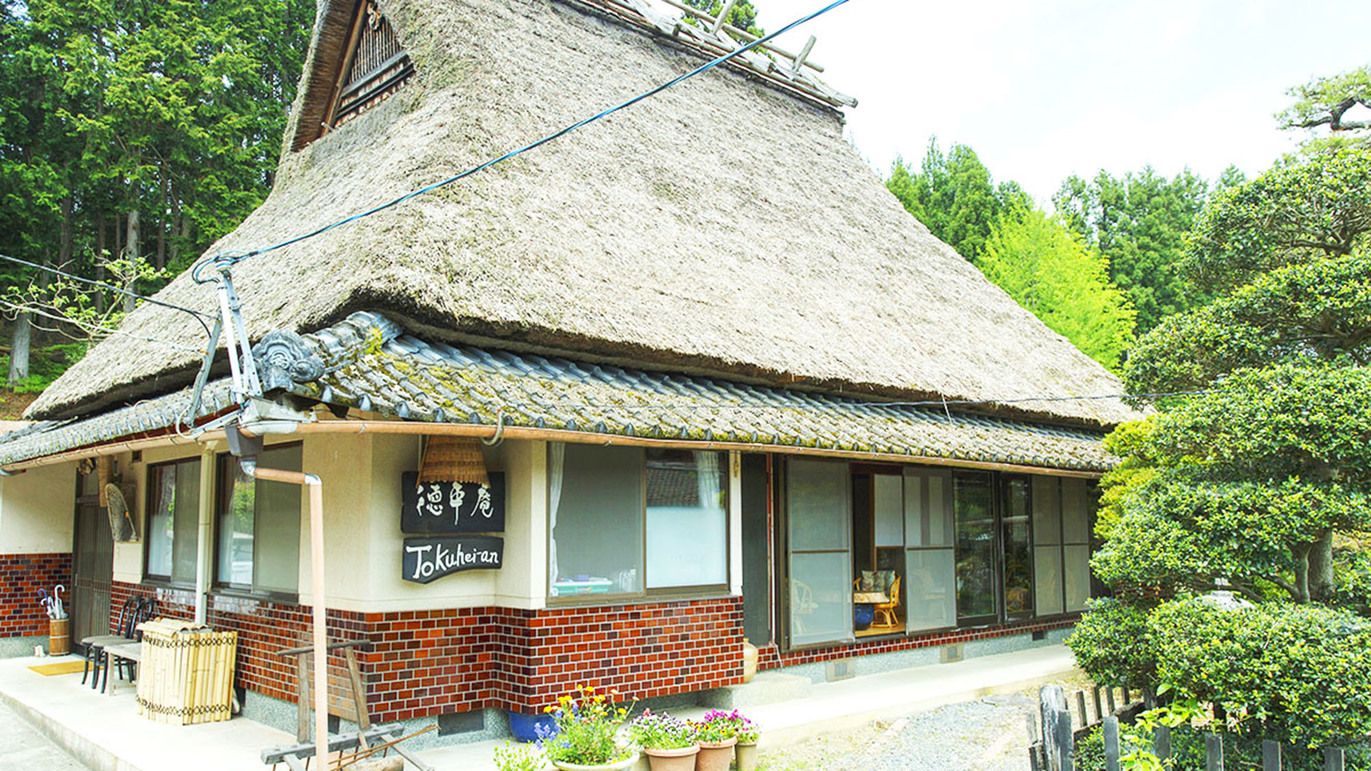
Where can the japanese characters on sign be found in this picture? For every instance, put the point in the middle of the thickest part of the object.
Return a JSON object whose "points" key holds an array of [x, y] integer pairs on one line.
{"points": [[433, 508]]}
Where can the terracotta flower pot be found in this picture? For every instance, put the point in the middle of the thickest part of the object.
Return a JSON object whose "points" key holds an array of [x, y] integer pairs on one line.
{"points": [[678, 759], [618, 765], [715, 756], [747, 756]]}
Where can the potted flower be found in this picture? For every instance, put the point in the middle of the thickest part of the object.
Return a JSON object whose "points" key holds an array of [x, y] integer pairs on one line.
{"points": [[669, 742], [746, 749], [585, 732], [717, 732]]}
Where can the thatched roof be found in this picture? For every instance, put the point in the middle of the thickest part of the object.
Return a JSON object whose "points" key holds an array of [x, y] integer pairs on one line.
{"points": [[721, 227]]}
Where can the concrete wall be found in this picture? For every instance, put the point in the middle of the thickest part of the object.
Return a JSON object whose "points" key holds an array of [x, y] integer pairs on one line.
{"points": [[38, 510]]}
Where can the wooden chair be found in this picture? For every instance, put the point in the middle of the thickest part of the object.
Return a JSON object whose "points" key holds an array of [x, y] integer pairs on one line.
{"points": [[802, 603], [885, 611]]}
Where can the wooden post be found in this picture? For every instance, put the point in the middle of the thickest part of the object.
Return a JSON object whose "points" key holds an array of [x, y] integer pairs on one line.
{"points": [[1099, 706], [1080, 705], [316, 547], [723, 16], [1051, 701], [1332, 759], [1161, 743], [1065, 740], [1109, 698], [1213, 752], [1111, 744], [1271, 755], [302, 707], [799, 61]]}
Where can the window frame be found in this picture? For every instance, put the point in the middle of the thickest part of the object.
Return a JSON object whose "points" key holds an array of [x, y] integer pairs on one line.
{"points": [[223, 493], [645, 594], [150, 505]]}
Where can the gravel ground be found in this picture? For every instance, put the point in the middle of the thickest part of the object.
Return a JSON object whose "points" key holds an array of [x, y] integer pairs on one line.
{"points": [[989, 734]]}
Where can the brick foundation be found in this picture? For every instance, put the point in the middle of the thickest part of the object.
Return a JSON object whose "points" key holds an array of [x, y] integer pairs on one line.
{"points": [[21, 576], [770, 656], [425, 663]]}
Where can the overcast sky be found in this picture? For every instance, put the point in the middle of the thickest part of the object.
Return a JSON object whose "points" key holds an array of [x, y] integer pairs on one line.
{"points": [[1042, 90]]}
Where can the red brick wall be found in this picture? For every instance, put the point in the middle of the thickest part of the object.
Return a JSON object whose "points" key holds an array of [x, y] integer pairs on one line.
{"points": [[424, 663], [21, 576]]}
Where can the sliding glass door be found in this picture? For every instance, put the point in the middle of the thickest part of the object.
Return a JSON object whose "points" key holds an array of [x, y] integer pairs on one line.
{"points": [[977, 558], [818, 497]]}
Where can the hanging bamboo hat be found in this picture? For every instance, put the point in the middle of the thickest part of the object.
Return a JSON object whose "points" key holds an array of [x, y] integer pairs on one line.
{"points": [[453, 459]]}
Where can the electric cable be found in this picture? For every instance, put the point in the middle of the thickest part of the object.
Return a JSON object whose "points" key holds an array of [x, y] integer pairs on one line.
{"points": [[199, 316], [94, 328], [231, 258]]}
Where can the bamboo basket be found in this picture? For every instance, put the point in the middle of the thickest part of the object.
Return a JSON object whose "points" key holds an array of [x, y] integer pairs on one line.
{"points": [[186, 675], [453, 459]]}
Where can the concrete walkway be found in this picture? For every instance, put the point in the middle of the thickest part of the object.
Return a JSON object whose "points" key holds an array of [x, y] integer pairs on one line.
{"points": [[104, 732]]}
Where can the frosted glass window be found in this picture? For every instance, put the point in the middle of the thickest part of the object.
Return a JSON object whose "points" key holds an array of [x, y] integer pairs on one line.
{"points": [[259, 525], [928, 513], [598, 530], [929, 589], [1075, 511], [888, 504], [173, 521], [820, 597], [1077, 560], [1047, 517], [1048, 578], [818, 504], [687, 523]]}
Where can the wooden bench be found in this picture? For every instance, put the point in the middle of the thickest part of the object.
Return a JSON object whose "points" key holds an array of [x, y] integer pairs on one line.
{"points": [[131, 652]]}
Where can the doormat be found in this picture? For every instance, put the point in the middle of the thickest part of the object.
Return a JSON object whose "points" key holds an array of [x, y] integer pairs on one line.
{"points": [[60, 668]]}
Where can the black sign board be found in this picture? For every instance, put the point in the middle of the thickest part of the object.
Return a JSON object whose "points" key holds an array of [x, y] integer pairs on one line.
{"points": [[428, 559], [435, 508]]}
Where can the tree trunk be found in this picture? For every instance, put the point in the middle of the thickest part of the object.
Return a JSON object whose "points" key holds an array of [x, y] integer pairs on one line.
{"points": [[1321, 567], [67, 237], [19, 347], [132, 254], [1301, 553]]}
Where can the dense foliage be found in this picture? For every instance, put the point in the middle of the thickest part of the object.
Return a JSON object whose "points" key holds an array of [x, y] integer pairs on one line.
{"points": [[1262, 478], [952, 194], [1138, 222], [137, 132], [1061, 280]]}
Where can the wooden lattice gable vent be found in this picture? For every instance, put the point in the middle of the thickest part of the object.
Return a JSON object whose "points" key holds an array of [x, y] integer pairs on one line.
{"points": [[371, 64], [375, 67]]}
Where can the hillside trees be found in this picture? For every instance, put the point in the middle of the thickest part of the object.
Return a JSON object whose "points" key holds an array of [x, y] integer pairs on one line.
{"points": [[953, 195], [1064, 282], [137, 131], [1138, 221], [1257, 479]]}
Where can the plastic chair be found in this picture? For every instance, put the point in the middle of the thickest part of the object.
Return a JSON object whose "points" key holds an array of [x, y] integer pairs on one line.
{"points": [[94, 645], [885, 611]]}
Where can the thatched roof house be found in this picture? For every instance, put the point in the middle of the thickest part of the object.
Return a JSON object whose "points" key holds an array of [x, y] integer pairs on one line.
{"points": [[685, 377], [721, 228]]}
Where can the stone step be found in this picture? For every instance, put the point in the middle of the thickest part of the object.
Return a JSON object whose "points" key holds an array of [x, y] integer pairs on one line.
{"points": [[765, 688]]}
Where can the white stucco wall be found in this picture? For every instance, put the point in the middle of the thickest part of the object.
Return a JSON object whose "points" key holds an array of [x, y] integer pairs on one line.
{"points": [[38, 510]]}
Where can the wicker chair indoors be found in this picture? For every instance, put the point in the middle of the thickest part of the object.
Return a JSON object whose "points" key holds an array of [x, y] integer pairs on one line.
{"points": [[885, 611]]}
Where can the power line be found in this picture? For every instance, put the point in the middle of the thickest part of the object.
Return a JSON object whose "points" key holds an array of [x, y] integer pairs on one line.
{"points": [[199, 316], [231, 258], [95, 328]]}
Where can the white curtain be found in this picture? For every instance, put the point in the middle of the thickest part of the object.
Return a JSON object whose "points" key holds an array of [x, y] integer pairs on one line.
{"points": [[707, 478], [556, 463]]}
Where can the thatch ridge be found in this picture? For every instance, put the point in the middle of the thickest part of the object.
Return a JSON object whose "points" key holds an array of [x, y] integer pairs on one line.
{"points": [[719, 227]]}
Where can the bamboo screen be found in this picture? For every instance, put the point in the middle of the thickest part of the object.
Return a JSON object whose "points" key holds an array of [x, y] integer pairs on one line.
{"points": [[186, 673]]}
